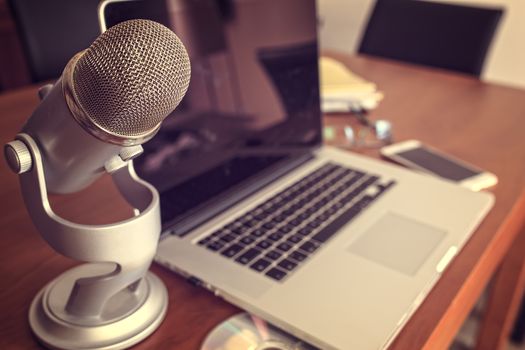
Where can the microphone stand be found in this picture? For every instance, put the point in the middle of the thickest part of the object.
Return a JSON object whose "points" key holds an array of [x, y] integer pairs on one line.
{"points": [[112, 302]]}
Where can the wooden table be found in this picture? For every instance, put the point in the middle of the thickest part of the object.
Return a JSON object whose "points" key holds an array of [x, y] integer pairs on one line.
{"points": [[481, 123]]}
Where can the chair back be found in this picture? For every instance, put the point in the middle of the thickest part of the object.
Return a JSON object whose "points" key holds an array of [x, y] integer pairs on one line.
{"points": [[52, 31], [454, 37]]}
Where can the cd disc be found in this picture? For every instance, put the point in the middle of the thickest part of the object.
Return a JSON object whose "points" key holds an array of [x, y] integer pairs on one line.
{"points": [[248, 332]]}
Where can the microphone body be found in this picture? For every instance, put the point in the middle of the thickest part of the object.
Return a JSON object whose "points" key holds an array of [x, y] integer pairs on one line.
{"points": [[110, 98], [72, 157]]}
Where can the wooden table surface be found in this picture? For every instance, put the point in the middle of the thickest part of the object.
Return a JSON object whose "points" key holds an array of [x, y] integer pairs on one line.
{"points": [[479, 122]]}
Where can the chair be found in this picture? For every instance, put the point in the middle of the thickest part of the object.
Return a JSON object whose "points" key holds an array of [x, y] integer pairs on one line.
{"points": [[52, 31], [439, 35]]}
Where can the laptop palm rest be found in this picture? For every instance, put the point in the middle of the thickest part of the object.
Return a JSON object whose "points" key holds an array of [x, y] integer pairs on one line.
{"points": [[398, 242]]}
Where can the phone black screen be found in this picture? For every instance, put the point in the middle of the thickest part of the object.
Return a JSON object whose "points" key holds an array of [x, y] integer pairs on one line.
{"points": [[437, 164]]}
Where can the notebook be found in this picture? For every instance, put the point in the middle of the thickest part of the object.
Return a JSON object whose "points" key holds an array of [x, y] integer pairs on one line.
{"points": [[332, 247], [343, 90]]}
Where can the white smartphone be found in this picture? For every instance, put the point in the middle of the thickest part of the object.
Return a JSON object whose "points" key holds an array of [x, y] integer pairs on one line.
{"points": [[414, 154]]}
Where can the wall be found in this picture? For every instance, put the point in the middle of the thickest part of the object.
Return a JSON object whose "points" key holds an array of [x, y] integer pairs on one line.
{"points": [[343, 22]]}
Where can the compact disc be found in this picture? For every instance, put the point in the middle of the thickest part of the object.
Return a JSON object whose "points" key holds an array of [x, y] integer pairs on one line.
{"points": [[248, 332]]}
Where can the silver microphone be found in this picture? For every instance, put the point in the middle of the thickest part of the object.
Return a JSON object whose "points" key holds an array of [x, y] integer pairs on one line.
{"points": [[111, 96]]}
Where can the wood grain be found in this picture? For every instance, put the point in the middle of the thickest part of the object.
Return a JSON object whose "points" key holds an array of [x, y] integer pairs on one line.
{"points": [[481, 123], [505, 297]]}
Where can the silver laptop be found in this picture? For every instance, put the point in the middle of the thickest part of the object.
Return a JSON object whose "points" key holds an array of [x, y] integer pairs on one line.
{"points": [[335, 248]]}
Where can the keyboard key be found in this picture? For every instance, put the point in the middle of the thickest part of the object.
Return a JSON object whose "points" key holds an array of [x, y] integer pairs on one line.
{"points": [[265, 244], [330, 211], [232, 225], [232, 250], [336, 206], [311, 210], [258, 232], [298, 256], [247, 240], [260, 265], [279, 218], [205, 240], [295, 238], [251, 223], [215, 246], [270, 209], [261, 216], [326, 233], [287, 264], [275, 236], [276, 274], [296, 222], [296, 207], [286, 229], [273, 255], [303, 216], [363, 202], [269, 225], [371, 180], [385, 186], [284, 246], [248, 256], [349, 183], [324, 216], [315, 223], [305, 231], [240, 230], [255, 211], [219, 233], [323, 202], [288, 212], [245, 218], [279, 203], [227, 238], [309, 247]]}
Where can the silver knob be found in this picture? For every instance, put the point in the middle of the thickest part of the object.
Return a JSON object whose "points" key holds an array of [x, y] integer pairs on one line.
{"points": [[18, 156]]}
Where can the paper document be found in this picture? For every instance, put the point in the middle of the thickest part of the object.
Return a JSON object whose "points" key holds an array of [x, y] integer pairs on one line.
{"points": [[343, 91]]}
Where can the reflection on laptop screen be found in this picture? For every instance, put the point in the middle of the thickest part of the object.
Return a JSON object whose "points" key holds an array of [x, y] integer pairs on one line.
{"points": [[252, 104]]}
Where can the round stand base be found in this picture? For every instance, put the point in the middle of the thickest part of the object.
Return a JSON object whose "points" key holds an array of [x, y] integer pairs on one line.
{"points": [[136, 314]]}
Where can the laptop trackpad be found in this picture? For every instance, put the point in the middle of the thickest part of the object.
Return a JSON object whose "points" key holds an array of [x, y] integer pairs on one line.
{"points": [[398, 242]]}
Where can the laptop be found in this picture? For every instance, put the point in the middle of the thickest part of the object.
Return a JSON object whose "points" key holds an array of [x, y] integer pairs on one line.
{"points": [[333, 247]]}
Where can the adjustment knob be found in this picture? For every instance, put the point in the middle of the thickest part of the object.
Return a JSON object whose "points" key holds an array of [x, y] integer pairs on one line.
{"points": [[18, 156]]}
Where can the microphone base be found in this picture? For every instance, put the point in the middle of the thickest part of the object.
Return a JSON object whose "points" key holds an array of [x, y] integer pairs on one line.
{"points": [[132, 317]]}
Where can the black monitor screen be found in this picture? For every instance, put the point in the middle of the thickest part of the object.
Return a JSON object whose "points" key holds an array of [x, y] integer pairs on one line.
{"points": [[253, 102]]}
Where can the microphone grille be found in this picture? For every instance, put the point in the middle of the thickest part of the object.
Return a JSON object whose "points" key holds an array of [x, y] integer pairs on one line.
{"points": [[131, 78]]}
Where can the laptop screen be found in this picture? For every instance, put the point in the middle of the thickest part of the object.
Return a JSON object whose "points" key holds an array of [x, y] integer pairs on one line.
{"points": [[252, 107]]}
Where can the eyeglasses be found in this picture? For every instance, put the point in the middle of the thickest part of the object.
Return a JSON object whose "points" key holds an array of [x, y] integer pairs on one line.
{"points": [[367, 134]]}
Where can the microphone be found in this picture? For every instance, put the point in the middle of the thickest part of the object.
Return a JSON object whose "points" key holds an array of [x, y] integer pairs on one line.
{"points": [[112, 96]]}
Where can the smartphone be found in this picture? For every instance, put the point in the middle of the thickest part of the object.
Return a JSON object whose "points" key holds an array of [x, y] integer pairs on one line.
{"points": [[414, 154]]}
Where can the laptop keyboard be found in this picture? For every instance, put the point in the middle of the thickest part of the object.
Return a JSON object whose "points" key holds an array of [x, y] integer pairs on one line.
{"points": [[279, 235]]}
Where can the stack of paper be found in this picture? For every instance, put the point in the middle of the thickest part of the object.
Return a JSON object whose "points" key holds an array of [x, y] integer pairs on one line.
{"points": [[344, 91]]}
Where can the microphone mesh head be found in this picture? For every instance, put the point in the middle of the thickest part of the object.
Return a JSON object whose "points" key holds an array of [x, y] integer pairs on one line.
{"points": [[131, 78]]}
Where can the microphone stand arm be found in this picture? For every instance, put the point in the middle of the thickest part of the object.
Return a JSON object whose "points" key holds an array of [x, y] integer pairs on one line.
{"points": [[130, 244]]}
